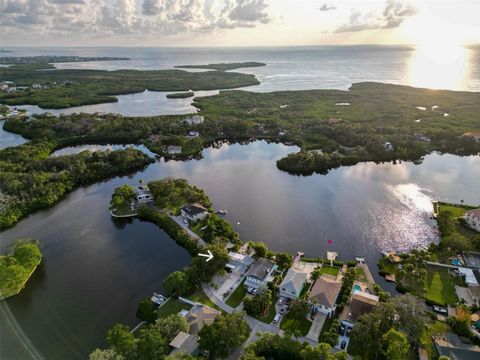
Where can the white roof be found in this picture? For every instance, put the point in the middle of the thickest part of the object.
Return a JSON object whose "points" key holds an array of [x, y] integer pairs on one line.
{"points": [[469, 276]]}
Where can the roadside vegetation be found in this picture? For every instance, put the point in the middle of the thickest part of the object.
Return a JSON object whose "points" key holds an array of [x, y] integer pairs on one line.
{"points": [[17, 265]]}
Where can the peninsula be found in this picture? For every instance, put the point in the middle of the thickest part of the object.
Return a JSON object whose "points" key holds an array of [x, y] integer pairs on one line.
{"points": [[223, 66], [63, 88], [39, 59], [18, 265]]}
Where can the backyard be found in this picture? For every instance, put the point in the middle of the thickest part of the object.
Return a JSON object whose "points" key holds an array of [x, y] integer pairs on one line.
{"points": [[440, 286], [172, 306], [330, 270]]}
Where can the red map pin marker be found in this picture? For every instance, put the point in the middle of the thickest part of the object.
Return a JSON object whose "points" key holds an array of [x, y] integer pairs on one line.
{"points": [[329, 241]]}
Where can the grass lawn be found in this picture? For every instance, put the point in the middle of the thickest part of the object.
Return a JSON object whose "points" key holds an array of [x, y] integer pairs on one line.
{"points": [[426, 338], [196, 228], [331, 270], [291, 323], [172, 306], [360, 275], [200, 297], [440, 286], [237, 296], [271, 312], [457, 211]]}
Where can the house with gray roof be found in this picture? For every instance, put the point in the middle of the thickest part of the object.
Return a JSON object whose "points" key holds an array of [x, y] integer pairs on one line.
{"points": [[292, 284], [260, 274]]}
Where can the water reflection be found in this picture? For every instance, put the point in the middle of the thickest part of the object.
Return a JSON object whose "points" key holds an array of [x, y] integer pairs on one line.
{"points": [[440, 68]]}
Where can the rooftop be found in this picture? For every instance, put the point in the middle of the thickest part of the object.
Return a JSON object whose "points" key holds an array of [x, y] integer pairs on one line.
{"points": [[362, 303], [325, 291], [474, 212], [199, 316], [294, 279], [194, 209], [260, 269]]}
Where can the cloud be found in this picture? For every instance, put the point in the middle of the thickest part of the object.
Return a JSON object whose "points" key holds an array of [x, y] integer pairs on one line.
{"points": [[249, 11], [392, 16], [326, 7], [151, 18]]}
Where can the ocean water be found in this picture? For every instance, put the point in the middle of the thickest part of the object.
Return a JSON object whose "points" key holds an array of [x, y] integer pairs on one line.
{"points": [[287, 68]]}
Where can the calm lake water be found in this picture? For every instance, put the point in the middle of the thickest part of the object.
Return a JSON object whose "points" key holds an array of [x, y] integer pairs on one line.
{"points": [[288, 68], [96, 270]]}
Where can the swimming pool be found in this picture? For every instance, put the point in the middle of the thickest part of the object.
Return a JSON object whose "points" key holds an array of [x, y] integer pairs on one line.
{"points": [[356, 288]]}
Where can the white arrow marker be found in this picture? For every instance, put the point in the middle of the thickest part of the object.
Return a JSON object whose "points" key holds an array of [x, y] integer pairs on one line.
{"points": [[209, 256]]}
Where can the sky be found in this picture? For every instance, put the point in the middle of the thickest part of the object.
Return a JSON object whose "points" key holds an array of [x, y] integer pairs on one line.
{"points": [[237, 22]]}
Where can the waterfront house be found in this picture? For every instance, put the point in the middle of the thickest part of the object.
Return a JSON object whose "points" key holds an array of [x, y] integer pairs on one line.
{"points": [[361, 303], [194, 120], [174, 150], [194, 212], [239, 262], [184, 343], [260, 274], [292, 284], [472, 218], [388, 146], [36, 86], [3, 86], [142, 194], [470, 294], [323, 295], [475, 136], [199, 316]]}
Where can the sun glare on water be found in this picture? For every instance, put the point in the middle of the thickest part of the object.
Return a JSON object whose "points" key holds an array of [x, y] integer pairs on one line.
{"points": [[439, 67]]}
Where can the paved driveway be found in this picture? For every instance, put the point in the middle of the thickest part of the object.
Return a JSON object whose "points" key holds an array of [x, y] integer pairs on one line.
{"points": [[179, 221], [317, 326]]}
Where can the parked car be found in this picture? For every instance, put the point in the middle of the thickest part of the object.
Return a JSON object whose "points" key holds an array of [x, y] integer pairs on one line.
{"points": [[349, 330], [255, 291], [285, 307], [343, 344], [440, 309], [276, 319], [250, 289], [185, 221], [281, 300], [342, 330]]}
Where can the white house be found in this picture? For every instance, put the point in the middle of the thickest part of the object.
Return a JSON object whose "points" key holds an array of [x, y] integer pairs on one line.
{"points": [[194, 212], [388, 146], [292, 284], [472, 218], [173, 150], [142, 194], [194, 120], [3, 86], [260, 274], [323, 295], [36, 86]]}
